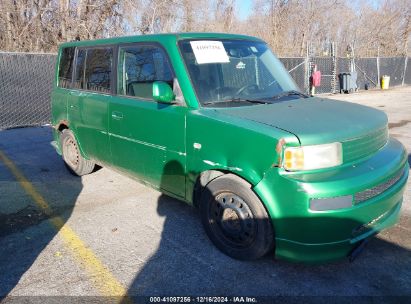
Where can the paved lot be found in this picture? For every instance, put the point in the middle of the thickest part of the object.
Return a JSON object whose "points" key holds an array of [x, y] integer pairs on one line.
{"points": [[105, 234]]}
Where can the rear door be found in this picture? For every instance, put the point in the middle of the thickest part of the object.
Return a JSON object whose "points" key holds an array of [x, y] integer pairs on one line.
{"points": [[64, 83], [89, 101], [147, 138]]}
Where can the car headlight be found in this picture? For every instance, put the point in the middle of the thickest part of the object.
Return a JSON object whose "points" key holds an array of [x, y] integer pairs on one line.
{"points": [[312, 157]]}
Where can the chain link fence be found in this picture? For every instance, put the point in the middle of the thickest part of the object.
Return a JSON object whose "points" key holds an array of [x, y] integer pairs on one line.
{"points": [[26, 81], [297, 67], [327, 67], [394, 67], [369, 71], [407, 72]]}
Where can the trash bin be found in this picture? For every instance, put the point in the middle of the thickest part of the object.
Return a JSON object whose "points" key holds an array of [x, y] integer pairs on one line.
{"points": [[348, 82], [385, 82]]}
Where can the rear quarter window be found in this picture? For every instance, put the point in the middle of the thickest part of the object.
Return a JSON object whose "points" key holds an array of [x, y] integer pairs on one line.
{"points": [[66, 67]]}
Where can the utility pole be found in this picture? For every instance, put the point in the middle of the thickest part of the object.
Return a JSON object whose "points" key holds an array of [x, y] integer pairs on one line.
{"points": [[378, 67], [334, 67], [405, 69]]}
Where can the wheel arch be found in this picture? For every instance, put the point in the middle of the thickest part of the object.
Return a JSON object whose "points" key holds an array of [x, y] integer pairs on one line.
{"points": [[64, 125], [206, 177]]}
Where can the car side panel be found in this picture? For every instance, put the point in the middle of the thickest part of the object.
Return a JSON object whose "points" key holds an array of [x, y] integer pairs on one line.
{"points": [[231, 145], [148, 142]]}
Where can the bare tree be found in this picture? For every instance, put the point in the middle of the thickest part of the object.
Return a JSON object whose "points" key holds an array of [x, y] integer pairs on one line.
{"points": [[289, 26]]}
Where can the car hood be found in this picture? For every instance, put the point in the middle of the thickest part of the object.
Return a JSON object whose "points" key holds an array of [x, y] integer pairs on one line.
{"points": [[315, 120]]}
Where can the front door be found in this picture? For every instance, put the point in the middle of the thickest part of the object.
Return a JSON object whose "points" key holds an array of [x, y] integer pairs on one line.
{"points": [[147, 138]]}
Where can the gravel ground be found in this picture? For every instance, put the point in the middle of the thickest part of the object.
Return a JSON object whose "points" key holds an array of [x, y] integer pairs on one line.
{"points": [[155, 245]]}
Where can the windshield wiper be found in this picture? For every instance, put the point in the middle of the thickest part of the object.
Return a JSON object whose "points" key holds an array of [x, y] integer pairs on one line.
{"points": [[236, 100], [289, 93]]}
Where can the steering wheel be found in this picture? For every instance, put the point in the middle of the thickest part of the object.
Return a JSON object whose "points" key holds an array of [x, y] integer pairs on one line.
{"points": [[245, 87]]}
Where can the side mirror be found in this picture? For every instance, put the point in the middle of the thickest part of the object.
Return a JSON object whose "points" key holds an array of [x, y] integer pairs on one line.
{"points": [[163, 92]]}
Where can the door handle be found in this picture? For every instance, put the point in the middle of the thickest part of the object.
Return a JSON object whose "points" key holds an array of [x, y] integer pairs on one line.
{"points": [[117, 115]]}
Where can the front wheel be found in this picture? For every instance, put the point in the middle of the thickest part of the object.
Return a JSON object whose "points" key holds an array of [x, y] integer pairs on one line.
{"points": [[72, 157], [234, 218]]}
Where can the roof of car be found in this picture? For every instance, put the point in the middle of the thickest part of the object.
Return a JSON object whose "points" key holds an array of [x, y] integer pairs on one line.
{"points": [[158, 38]]}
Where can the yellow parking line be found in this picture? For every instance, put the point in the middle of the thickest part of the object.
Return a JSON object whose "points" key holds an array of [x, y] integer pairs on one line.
{"points": [[100, 275]]}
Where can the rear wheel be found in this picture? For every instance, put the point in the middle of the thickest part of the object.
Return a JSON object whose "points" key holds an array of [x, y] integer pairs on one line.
{"points": [[72, 157], [234, 218]]}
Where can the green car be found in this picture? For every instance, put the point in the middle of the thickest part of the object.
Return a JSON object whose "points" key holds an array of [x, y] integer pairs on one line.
{"points": [[216, 121]]}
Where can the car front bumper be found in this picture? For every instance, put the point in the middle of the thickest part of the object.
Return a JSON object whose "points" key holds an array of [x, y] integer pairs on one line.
{"points": [[306, 235]]}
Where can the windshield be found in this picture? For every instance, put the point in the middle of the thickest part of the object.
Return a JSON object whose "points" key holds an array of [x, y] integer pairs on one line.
{"points": [[228, 71]]}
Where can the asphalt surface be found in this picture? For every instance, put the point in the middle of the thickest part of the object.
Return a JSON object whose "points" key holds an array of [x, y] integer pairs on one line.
{"points": [[150, 244]]}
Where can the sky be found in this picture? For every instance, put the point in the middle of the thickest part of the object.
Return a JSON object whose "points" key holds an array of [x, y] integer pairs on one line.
{"points": [[244, 8]]}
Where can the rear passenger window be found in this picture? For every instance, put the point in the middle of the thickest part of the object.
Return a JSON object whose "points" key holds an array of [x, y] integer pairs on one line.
{"points": [[66, 67], [140, 66], [97, 74]]}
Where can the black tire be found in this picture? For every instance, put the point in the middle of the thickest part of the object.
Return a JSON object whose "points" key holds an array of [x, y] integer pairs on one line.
{"points": [[72, 157], [234, 218]]}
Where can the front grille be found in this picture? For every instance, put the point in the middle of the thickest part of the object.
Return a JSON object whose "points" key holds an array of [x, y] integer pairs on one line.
{"points": [[377, 190], [365, 145]]}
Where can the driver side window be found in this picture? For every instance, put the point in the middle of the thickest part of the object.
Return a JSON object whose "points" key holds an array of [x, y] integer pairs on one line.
{"points": [[139, 67]]}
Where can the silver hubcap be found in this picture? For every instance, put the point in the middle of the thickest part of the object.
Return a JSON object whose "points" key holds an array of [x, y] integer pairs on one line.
{"points": [[71, 155]]}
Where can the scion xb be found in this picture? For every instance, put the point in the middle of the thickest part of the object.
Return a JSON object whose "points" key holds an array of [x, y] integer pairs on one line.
{"points": [[216, 121]]}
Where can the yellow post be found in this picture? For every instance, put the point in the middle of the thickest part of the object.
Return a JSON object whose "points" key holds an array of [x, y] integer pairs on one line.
{"points": [[385, 82]]}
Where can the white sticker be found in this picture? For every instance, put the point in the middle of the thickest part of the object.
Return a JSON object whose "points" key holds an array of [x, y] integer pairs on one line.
{"points": [[209, 51]]}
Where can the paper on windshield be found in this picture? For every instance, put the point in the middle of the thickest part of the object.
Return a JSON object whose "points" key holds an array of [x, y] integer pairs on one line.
{"points": [[209, 51]]}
